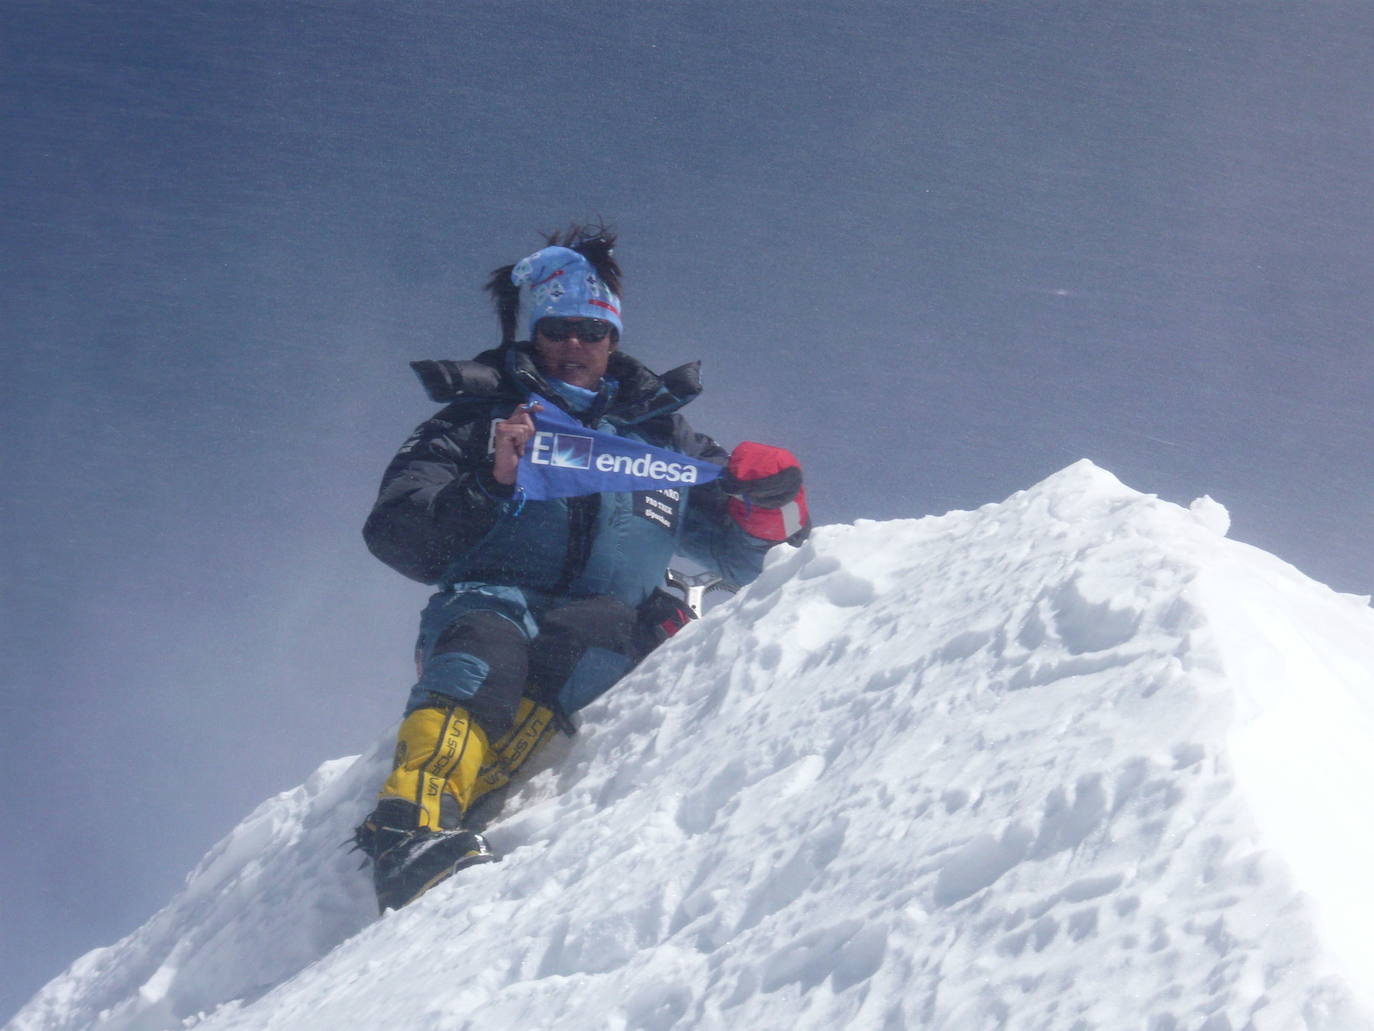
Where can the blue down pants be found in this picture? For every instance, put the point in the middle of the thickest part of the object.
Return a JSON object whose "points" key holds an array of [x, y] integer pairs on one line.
{"points": [[483, 646]]}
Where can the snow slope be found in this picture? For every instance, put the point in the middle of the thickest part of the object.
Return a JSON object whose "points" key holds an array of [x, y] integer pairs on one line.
{"points": [[1072, 762]]}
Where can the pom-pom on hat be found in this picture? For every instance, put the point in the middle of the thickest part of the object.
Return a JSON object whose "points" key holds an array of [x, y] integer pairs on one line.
{"points": [[560, 281]]}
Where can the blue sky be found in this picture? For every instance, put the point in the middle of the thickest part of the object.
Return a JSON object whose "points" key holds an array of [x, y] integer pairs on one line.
{"points": [[938, 250]]}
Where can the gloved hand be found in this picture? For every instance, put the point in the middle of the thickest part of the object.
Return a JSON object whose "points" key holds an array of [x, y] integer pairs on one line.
{"points": [[767, 498], [661, 616]]}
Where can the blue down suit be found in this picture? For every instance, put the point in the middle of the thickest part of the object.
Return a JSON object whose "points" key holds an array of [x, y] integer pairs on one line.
{"points": [[553, 600]]}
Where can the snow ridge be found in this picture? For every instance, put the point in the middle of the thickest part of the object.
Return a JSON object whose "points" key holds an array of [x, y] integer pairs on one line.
{"points": [[1024, 768]]}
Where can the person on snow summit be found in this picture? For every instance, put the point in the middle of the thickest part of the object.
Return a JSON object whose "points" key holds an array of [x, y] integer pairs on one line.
{"points": [[542, 605]]}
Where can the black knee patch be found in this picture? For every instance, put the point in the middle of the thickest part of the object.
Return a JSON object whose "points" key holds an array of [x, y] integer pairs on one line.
{"points": [[566, 632], [504, 647]]}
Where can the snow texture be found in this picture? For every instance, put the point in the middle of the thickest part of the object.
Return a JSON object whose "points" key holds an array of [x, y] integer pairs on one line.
{"points": [[1072, 762]]}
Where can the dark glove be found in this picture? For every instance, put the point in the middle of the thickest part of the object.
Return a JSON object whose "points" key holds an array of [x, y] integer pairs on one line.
{"points": [[767, 498], [661, 616]]}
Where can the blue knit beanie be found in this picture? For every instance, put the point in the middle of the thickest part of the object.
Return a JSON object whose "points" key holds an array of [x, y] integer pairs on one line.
{"points": [[562, 282]]}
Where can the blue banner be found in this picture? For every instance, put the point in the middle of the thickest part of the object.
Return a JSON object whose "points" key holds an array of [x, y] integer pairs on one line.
{"points": [[565, 459]]}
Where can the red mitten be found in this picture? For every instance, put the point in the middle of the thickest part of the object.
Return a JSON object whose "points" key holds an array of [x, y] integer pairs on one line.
{"points": [[767, 498]]}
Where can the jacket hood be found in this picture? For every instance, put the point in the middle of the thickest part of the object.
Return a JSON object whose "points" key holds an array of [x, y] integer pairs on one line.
{"points": [[510, 372]]}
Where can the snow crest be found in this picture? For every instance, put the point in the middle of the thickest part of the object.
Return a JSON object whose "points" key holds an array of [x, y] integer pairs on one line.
{"points": [[1072, 762]]}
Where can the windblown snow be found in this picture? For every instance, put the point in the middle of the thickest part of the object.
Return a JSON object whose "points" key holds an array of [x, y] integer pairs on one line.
{"points": [[1072, 762]]}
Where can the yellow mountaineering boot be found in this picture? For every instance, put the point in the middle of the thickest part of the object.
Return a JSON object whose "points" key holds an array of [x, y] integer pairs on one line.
{"points": [[412, 836], [534, 726], [439, 752]]}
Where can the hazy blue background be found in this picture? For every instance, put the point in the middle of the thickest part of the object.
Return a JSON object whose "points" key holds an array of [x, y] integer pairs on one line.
{"points": [[940, 250]]}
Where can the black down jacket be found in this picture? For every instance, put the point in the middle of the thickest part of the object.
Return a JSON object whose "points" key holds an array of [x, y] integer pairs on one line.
{"points": [[441, 518]]}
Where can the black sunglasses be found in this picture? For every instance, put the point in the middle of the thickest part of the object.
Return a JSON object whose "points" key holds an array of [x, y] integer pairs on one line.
{"points": [[589, 331]]}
